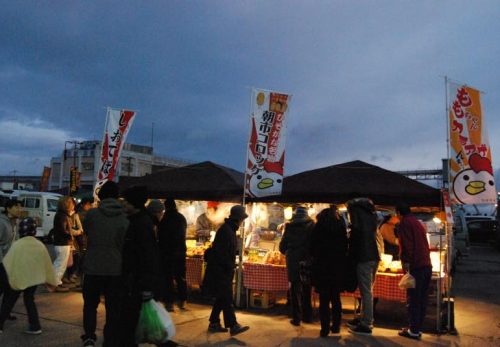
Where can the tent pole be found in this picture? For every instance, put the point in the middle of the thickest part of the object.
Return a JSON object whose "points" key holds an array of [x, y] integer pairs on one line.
{"points": [[239, 277]]}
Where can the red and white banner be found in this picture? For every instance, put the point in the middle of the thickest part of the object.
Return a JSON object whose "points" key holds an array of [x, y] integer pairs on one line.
{"points": [[118, 124], [266, 148], [471, 171]]}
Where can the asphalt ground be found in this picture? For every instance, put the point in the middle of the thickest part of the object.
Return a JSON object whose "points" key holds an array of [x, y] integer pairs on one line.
{"points": [[476, 318]]}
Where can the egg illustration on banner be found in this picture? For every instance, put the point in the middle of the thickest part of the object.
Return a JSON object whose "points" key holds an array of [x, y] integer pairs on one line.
{"points": [[475, 183]]}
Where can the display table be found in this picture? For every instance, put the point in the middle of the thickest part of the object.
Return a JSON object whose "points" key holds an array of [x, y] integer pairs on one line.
{"points": [[265, 277], [385, 287], [274, 278], [194, 271]]}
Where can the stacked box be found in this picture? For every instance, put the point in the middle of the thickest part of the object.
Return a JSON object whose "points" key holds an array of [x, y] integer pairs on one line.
{"points": [[262, 299]]}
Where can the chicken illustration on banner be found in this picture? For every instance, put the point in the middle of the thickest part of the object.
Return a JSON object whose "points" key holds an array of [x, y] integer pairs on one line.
{"points": [[471, 172], [266, 148]]}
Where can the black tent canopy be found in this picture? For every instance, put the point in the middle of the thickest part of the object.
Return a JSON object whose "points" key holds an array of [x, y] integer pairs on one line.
{"points": [[342, 182], [201, 181]]}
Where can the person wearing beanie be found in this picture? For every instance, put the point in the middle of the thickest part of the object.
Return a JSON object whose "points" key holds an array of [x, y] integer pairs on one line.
{"points": [[140, 262], [27, 265], [156, 210], [295, 246], [172, 245], [205, 222], [105, 228], [220, 272]]}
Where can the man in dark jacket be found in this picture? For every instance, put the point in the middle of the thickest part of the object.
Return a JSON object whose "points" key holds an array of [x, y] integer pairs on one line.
{"points": [[415, 256], [105, 229], [140, 262], [220, 273], [364, 250], [295, 246], [172, 243]]}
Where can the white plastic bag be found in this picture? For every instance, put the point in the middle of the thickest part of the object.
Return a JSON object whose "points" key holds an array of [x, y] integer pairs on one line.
{"points": [[407, 281], [155, 324]]}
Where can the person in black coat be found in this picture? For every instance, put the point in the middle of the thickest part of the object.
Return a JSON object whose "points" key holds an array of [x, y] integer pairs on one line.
{"points": [[140, 262], [329, 255], [220, 272], [295, 246], [172, 244]]}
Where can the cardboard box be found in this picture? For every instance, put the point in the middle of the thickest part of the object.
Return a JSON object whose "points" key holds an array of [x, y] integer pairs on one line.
{"points": [[262, 299]]}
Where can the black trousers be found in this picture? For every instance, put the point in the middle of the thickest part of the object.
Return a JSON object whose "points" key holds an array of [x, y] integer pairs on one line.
{"points": [[10, 298], [130, 312], [329, 296], [174, 269], [300, 295], [112, 288], [224, 303]]}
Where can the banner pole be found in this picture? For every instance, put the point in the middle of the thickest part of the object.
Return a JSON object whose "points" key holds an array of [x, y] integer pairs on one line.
{"points": [[239, 277]]}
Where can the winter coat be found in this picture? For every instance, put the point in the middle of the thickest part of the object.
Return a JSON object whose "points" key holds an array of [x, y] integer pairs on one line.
{"points": [[62, 229], [105, 228], [413, 243], [172, 235], [363, 240], [6, 235], [295, 245], [328, 250], [140, 254], [220, 264]]}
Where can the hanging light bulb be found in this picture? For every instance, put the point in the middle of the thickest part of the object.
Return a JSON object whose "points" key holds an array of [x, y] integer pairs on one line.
{"points": [[288, 213]]}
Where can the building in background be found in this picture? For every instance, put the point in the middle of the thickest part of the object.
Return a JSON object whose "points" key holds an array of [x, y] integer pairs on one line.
{"points": [[135, 161]]}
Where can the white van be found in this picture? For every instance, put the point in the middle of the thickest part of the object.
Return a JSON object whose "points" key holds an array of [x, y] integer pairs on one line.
{"points": [[41, 206]]}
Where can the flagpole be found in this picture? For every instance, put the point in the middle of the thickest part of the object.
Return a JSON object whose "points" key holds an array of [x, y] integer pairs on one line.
{"points": [[449, 245], [239, 278]]}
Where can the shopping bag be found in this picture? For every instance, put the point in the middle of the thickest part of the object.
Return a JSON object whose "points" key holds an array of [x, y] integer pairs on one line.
{"points": [[155, 324], [407, 281]]}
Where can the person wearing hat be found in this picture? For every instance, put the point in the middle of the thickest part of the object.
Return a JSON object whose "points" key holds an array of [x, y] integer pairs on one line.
{"points": [[295, 246], [27, 265], [105, 228], [156, 210], [140, 262], [205, 222], [220, 272], [172, 244]]}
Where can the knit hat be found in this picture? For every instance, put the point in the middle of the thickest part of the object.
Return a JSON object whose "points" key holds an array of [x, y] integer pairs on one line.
{"points": [[238, 212], [212, 204], [27, 227], [109, 189], [300, 213], [155, 206], [136, 196]]}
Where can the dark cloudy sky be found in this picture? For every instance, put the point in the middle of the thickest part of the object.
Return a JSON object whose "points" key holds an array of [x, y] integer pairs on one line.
{"points": [[367, 77]]}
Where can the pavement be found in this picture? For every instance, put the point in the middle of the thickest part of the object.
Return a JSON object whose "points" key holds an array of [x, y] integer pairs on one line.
{"points": [[477, 318]]}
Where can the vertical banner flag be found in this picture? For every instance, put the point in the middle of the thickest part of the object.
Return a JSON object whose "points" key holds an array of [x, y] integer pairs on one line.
{"points": [[44, 182], [266, 148], [74, 180], [471, 171], [118, 124]]}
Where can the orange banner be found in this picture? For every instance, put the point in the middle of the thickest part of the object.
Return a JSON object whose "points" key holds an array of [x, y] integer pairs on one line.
{"points": [[471, 171]]}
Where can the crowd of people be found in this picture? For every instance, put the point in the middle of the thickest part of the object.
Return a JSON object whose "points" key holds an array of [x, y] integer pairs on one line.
{"points": [[325, 256], [129, 252]]}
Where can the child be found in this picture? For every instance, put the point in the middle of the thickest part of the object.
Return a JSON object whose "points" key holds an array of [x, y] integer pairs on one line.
{"points": [[27, 265]]}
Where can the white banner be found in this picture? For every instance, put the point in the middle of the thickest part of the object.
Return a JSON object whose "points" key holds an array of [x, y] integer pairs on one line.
{"points": [[266, 148], [118, 124]]}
